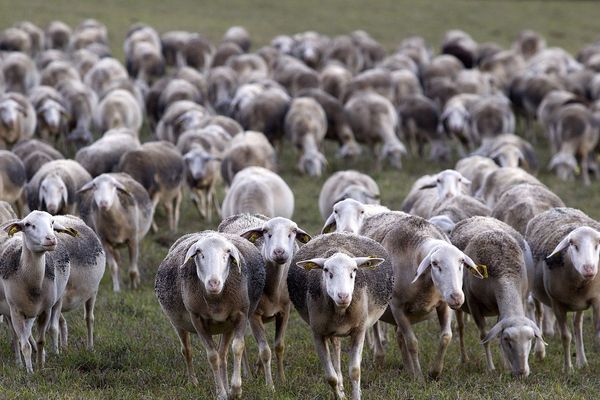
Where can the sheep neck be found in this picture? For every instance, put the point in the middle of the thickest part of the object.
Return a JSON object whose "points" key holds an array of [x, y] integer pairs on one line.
{"points": [[509, 300], [276, 277], [33, 267], [114, 213], [309, 144]]}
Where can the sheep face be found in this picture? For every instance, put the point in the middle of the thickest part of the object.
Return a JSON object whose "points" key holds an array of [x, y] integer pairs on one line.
{"points": [[509, 156], [456, 121], [213, 257], [38, 231], [348, 216], [339, 274], [393, 152], [9, 113], [198, 162], [279, 236], [312, 163], [105, 190], [190, 119], [582, 247], [449, 184], [51, 113], [53, 193]]}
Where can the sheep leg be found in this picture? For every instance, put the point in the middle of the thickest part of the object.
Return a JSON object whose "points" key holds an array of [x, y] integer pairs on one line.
{"points": [[460, 321], [42, 321], [581, 360], [23, 329], [585, 170], [565, 335], [540, 347], [281, 321], [215, 202], [258, 330], [111, 261], [336, 359], [212, 354], [54, 331], [378, 350], [356, 349], [406, 362], [445, 319], [199, 203], [155, 200], [64, 331], [186, 352], [224, 344], [88, 314], [480, 322], [330, 373], [14, 341], [548, 321], [168, 205], [596, 308], [238, 347], [177, 210], [134, 272], [411, 341]]}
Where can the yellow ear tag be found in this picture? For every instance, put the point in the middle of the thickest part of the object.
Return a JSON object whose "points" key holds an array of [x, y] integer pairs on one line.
{"points": [[13, 229], [310, 266], [253, 237], [484, 270]]}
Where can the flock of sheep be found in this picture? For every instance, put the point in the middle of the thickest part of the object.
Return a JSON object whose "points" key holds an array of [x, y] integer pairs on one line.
{"points": [[486, 238]]}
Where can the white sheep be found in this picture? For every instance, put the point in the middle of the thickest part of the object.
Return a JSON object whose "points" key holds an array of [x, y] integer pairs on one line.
{"points": [[349, 184]]}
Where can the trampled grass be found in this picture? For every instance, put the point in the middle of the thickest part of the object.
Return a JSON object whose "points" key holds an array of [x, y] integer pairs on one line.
{"points": [[137, 352]]}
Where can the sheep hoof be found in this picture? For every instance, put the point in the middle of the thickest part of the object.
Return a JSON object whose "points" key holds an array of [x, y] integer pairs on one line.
{"points": [[435, 375]]}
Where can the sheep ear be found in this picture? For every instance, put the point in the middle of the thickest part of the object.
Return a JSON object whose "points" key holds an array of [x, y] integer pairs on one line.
{"points": [[315, 263], [537, 332], [61, 229], [13, 228], [368, 262], [302, 236], [465, 181], [480, 271], [191, 253], [429, 185], [234, 258], [494, 332], [423, 266], [121, 188], [86, 187], [561, 246], [330, 224], [253, 235]]}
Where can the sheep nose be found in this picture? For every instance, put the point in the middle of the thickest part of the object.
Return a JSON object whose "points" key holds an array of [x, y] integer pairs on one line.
{"points": [[456, 300], [50, 240], [213, 285], [344, 298], [588, 271], [103, 204]]}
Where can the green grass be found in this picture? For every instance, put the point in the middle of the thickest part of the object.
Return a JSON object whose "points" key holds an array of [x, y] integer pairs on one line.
{"points": [[137, 352]]}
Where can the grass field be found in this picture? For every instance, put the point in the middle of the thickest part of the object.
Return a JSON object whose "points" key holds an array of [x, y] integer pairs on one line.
{"points": [[137, 353]]}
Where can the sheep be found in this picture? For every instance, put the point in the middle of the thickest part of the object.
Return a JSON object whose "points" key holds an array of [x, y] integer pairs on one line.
{"points": [[120, 211], [305, 126], [309, 47], [181, 116], [527, 91], [499, 247], [87, 33], [372, 51], [34, 154], [345, 294], [377, 80], [417, 49], [450, 211], [455, 119], [47, 57], [509, 150], [35, 262], [118, 109], [238, 35], [374, 120], [475, 81], [53, 118], [87, 261], [104, 155], [196, 53], [461, 45], [338, 127], [342, 50], [529, 43], [18, 119], [81, 102], [54, 186], [160, 169], [84, 60], [441, 66], [202, 150], [547, 112], [231, 126], [20, 73], [14, 39], [348, 216], [476, 169], [12, 180], [58, 35], [564, 243], [349, 184], [58, 71], [276, 240], [519, 204], [427, 192], [214, 294], [257, 190], [294, 75], [6, 214], [248, 67], [428, 274], [247, 149], [143, 54], [576, 136], [178, 89], [223, 53], [404, 83], [334, 79], [222, 84], [500, 181], [491, 116], [105, 71]]}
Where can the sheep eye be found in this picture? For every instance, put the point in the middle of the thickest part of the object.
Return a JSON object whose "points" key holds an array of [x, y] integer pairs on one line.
{"points": [[270, 235], [438, 180], [362, 212], [27, 224], [325, 270], [331, 275], [335, 211], [289, 235]]}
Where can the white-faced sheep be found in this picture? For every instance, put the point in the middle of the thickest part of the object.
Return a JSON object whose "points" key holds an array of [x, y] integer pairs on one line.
{"points": [[340, 284], [120, 211], [348, 215], [35, 153], [305, 126], [276, 240], [54, 186], [118, 109], [348, 184], [374, 121], [104, 154], [209, 284], [245, 150], [53, 118], [36, 263], [160, 169], [505, 255], [12, 180], [18, 119], [428, 275], [257, 190]]}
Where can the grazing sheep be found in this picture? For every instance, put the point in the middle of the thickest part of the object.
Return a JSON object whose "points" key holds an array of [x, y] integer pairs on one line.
{"points": [[12, 180], [103, 73], [17, 119], [564, 243], [20, 73], [529, 43], [104, 154], [509, 150], [118, 109], [548, 110], [245, 150], [58, 35], [14, 39], [143, 53], [519, 204], [53, 119], [120, 211], [342, 50], [160, 169], [348, 184], [81, 102], [348, 216], [497, 246], [36, 263], [87, 33], [222, 84], [491, 116], [374, 121], [376, 80], [334, 79], [223, 53], [215, 294], [181, 116], [34, 154], [461, 45], [305, 126], [456, 118], [238, 35], [257, 190], [500, 181], [196, 53], [84, 60], [340, 284], [276, 240], [58, 71], [476, 169], [248, 67], [54, 186]]}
